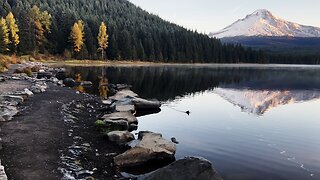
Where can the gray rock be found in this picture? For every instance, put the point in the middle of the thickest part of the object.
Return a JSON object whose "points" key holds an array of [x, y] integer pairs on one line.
{"points": [[3, 175], [189, 168], [143, 104], [70, 82], [7, 112], [118, 124], [151, 147], [12, 98], [123, 87], [125, 108], [25, 93], [46, 75], [106, 102], [123, 94], [120, 137], [126, 116], [86, 83], [54, 80]]}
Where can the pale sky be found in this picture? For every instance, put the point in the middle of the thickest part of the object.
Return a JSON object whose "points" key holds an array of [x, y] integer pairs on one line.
{"points": [[212, 15]]}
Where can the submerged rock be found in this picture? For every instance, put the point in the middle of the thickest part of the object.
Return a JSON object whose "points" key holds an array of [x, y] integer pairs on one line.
{"points": [[143, 104], [86, 83], [188, 168], [120, 137], [151, 147]]}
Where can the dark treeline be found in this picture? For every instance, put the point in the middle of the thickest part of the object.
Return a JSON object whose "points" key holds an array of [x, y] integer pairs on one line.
{"points": [[133, 34], [168, 82]]}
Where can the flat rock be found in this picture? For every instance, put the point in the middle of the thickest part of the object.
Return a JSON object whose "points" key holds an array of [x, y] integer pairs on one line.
{"points": [[125, 108], [126, 116], [120, 137], [118, 124], [189, 168], [143, 104], [151, 147], [126, 93]]}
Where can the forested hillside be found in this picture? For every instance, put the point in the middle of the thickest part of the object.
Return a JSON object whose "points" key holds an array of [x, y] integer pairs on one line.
{"points": [[133, 33]]}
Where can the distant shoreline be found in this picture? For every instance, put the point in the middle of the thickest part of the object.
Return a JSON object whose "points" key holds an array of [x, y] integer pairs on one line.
{"points": [[97, 63]]}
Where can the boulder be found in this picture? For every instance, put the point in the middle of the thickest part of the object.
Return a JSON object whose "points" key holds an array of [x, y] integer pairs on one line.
{"points": [[143, 104], [61, 75], [123, 94], [25, 93], [116, 116], [54, 80], [152, 147], [70, 82], [188, 168], [46, 75], [120, 137]]}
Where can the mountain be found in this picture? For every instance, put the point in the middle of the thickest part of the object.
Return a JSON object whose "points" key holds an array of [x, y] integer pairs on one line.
{"points": [[263, 23], [259, 102]]}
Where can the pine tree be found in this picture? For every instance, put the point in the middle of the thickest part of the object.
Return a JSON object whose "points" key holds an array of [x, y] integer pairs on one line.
{"points": [[77, 36], [13, 31], [103, 39], [4, 36]]}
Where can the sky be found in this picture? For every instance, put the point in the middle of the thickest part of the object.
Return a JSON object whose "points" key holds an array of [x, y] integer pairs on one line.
{"points": [[212, 15]]}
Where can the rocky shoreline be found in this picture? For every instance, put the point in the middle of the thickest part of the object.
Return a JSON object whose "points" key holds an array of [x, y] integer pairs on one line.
{"points": [[111, 121]]}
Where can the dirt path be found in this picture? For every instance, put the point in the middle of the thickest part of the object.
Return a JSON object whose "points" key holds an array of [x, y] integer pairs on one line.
{"points": [[35, 140]]}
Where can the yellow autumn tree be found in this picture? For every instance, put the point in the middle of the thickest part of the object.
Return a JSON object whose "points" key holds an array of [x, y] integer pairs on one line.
{"points": [[42, 24], [102, 39], [4, 36], [13, 31], [77, 36]]}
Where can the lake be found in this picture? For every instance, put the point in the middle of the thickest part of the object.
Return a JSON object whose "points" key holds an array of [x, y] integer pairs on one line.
{"points": [[250, 121]]}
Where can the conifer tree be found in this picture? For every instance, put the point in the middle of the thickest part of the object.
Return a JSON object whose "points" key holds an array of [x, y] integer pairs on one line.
{"points": [[77, 36], [103, 39], [13, 31], [4, 36]]}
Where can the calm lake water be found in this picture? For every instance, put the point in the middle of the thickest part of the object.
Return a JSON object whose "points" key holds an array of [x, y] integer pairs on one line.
{"points": [[256, 122]]}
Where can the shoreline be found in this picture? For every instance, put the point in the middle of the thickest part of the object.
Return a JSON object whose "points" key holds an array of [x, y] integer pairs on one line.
{"points": [[56, 133]]}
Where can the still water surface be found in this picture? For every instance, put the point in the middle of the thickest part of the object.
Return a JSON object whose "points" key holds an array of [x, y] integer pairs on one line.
{"points": [[256, 122]]}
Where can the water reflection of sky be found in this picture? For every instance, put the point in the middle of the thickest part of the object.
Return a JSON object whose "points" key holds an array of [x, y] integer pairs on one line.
{"points": [[243, 145]]}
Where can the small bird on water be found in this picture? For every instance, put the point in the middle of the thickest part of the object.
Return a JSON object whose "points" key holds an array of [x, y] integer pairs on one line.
{"points": [[188, 112], [174, 140]]}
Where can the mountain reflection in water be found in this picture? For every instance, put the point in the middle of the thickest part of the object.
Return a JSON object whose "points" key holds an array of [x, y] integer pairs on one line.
{"points": [[255, 143]]}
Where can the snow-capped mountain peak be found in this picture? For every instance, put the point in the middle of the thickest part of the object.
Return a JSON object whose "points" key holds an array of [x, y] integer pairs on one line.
{"points": [[263, 23]]}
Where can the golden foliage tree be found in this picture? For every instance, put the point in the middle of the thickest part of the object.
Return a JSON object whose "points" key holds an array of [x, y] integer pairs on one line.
{"points": [[77, 36], [4, 36], [103, 39], [13, 31], [42, 24]]}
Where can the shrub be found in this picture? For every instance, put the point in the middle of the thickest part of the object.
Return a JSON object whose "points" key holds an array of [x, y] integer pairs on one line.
{"points": [[100, 124]]}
